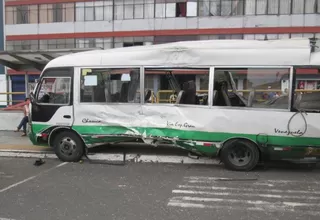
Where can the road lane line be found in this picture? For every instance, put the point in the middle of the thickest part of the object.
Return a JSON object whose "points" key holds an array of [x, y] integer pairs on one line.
{"points": [[32, 177]]}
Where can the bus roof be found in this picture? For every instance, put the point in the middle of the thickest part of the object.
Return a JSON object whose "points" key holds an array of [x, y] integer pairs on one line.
{"points": [[196, 53]]}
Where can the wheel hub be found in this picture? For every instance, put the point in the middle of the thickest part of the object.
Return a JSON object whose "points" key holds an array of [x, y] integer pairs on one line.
{"points": [[240, 155], [67, 146]]}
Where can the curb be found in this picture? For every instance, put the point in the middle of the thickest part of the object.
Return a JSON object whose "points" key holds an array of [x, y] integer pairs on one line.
{"points": [[135, 158]]}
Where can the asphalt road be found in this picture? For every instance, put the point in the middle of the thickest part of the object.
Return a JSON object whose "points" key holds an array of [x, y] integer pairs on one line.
{"points": [[66, 191]]}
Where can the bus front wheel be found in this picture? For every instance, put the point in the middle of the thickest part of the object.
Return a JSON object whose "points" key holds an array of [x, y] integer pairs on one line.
{"points": [[240, 155], [68, 146]]}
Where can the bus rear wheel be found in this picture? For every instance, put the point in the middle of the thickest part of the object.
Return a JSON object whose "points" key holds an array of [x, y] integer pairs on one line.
{"points": [[240, 155], [68, 146]]}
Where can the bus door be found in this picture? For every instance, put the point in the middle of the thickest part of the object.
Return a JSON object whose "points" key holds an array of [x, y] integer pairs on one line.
{"points": [[52, 103]]}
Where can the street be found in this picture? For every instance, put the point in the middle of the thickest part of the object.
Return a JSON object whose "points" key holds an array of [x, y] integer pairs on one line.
{"points": [[57, 190]]}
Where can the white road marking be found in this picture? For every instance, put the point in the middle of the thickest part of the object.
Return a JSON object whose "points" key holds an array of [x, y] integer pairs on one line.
{"points": [[191, 192], [247, 194], [30, 178], [196, 205], [263, 184], [6, 218], [247, 189], [206, 206], [214, 179], [241, 201], [27, 155]]}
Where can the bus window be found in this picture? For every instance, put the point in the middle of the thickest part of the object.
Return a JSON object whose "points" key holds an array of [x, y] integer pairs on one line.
{"points": [[110, 85], [54, 90], [307, 90], [252, 87], [177, 86]]}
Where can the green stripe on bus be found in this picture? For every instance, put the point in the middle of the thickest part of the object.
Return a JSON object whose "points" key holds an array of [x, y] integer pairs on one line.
{"points": [[189, 135]]}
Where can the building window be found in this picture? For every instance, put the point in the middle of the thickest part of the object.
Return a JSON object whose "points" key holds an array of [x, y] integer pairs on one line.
{"points": [[68, 12], [22, 45], [86, 43], [285, 7], [22, 14], [10, 12], [9, 45], [273, 7], [169, 39], [192, 8], [53, 44], [118, 10], [175, 8], [310, 6], [131, 41], [79, 11], [49, 13], [57, 12], [148, 8], [222, 7], [297, 6], [237, 7], [104, 43], [261, 7], [133, 9], [94, 11], [89, 11], [250, 7], [56, 44], [43, 13]]}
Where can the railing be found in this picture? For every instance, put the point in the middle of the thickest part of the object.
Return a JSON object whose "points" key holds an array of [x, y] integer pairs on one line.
{"points": [[18, 106]]}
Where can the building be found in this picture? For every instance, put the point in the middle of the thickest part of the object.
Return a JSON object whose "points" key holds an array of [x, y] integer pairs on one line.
{"points": [[60, 24], [3, 82]]}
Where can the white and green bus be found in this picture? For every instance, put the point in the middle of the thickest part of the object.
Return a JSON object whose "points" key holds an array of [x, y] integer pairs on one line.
{"points": [[244, 101]]}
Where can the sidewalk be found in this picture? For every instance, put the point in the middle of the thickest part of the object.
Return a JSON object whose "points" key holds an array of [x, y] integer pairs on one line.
{"points": [[10, 140]]}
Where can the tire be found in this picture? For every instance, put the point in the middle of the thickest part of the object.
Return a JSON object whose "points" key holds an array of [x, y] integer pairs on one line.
{"points": [[68, 146], [240, 155]]}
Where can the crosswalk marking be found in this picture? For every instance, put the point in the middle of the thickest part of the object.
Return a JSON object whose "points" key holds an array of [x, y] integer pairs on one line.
{"points": [[247, 189], [254, 202], [243, 194], [247, 194]]}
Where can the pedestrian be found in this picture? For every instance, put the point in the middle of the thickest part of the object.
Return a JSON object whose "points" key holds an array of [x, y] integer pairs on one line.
{"points": [[25, 118]]}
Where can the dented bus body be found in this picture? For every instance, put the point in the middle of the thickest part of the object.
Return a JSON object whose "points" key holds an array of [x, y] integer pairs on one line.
{"points": [[220, 100]]}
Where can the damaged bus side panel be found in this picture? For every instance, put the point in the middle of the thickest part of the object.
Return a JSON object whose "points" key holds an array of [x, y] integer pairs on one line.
{"points": [[244, 113]]}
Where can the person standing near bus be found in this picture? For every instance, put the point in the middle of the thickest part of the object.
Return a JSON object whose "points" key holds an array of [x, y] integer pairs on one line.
{"points": [[25, 118]]}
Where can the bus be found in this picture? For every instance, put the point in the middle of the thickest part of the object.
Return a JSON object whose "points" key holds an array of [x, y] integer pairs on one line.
{"points": [[243, 101]]}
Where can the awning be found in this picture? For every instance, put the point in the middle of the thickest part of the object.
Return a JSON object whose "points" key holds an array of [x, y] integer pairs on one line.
{"points": [[31, 60]]}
